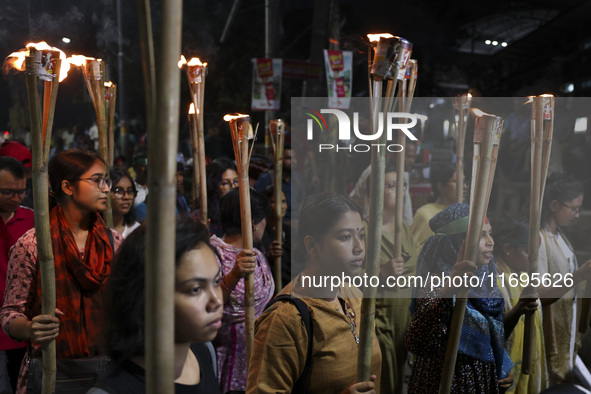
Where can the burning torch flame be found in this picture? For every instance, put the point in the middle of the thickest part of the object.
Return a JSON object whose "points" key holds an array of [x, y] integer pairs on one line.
{"points": [[192, 109], [193, 62], [231, 117], [108, 84], [78, 60], [480, 113], [16, 60], [376, 37], [530, 99]]}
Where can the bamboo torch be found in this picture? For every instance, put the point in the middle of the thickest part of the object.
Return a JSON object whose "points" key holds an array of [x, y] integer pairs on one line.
{"points": [[94, 71], [277, 137], [389, 63], [461, 105], [542, 120], [242, 133], [196, 72], [42, 62], [487, 134], [110, 100], [195, 154], [406, 92]]}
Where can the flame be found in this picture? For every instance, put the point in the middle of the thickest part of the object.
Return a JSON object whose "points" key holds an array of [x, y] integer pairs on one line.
{"points": [[182, 62], [546, 95], [231, 117], [192, 109], [108, 84], [376, 37], [78, 60], [479, 113], [193, 62], [16, 60]]}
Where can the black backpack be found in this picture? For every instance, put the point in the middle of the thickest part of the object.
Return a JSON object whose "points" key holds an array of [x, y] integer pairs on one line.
{"points": [[301, 385]]}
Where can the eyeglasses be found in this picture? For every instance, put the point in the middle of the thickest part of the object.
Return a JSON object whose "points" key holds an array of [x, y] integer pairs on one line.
{"points": [[120, 192], [99, 181], [392, 186], [9, 193], [572, 209], [227, 184]]}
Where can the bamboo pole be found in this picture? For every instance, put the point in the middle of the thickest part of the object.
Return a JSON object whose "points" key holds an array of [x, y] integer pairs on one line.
{"points": [[160, 266], [241, 134], [195, 156], [386, 65], [462, 105], [148, 61], [40, 189], [201, 147], [486, 136], [196, 72], [93, 76], [277, 137], [111, 97]]}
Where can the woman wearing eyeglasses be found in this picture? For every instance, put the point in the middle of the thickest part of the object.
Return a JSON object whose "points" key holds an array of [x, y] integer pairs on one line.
{"points": [[83, 250], [123, 193], [221, 178], [563, 199]]}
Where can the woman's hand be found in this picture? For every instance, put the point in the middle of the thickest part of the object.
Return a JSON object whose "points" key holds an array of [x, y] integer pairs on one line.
{"points": [[506, 382], [528, 302], [245, 263], [276, 249], [45, 328], [362, 387], [394, 267]]}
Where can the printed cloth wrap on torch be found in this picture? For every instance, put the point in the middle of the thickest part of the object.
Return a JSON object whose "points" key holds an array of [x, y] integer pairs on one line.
{"points": [[483, 334]]}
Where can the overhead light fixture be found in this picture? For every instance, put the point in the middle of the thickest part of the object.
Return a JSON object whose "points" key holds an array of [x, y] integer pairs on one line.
{"points": [[66, 40], [570, 88], [487, 42], [495, 43], [504, 44]]}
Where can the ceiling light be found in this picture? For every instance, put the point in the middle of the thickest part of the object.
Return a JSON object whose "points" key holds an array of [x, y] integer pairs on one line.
{"points": [[504, 44], [495, 43], [487, 42], [66, 40]]}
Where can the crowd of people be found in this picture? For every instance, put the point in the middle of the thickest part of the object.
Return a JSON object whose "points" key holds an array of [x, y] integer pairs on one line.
{"points": [[306, 338]]}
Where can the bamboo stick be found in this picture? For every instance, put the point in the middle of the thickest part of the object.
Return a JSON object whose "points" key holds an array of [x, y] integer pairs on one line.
{"points": [[194, 155], [241, 134], [42, 229], [535, 203], [162, 149], [462, 105], [386, 65], [277, 137], [486, 136], [111, 97], [201, 147], [148, 61]]}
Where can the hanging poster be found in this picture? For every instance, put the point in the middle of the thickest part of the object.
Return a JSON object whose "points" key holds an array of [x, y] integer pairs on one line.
{"points": [[339, 77], [266, 84]]}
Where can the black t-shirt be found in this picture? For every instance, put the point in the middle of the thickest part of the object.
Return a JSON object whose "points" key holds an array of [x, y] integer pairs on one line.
{"points": [[129, 378]]}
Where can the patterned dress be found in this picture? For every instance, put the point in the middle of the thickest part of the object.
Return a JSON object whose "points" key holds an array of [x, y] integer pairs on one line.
{"points": [[230, 342]]}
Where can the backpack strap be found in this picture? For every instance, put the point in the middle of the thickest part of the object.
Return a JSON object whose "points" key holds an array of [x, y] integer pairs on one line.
{"points": [[300, 385]]}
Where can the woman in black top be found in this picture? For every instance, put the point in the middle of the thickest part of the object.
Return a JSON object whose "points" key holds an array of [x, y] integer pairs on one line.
{"points": [[198, 314]]}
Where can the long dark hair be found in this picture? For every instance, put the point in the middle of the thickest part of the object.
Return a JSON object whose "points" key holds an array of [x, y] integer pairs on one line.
{"points": [[559, 187], [230, 210], [125, 293], [67, 166], [440, 173], [318, 214], [116, 174]]}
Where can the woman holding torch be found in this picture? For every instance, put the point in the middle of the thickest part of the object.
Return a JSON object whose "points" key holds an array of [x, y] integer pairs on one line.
{"points": [[482, 365], [83, 250], [331, 242], [236, 262]]}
